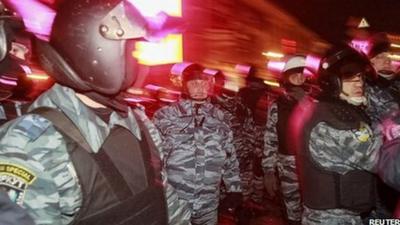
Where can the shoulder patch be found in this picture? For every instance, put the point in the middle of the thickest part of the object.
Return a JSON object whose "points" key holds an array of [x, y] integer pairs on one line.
{"points": [[362, 134], [32, 126], [15, 179]]}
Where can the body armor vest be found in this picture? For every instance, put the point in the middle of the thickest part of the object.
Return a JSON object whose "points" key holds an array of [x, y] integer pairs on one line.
{"points": [[323, 189], [121, 184], [285, 108]]}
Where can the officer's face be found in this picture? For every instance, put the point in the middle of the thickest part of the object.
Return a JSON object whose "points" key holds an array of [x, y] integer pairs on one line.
{"points": [[353, 86], [198, 89], [297, 79], [383, 63], [19, 50]]}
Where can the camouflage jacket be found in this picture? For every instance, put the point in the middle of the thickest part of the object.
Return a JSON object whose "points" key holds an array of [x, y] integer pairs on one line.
{"points": [[389, 166], [380, 104], [239, 118], [48, 187], [270, 152], [199, 152]]}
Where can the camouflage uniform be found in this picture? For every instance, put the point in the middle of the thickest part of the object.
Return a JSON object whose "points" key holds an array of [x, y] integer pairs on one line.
{"points": [[240, 119], [389, 166], [380, 103], [199, 152], [285, 164], [341, 151], [258, 175], [256, 98], [35, 154]]}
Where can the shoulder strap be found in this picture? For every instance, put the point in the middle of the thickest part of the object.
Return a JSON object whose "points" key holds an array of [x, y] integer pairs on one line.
{"points": [[64, 125]]}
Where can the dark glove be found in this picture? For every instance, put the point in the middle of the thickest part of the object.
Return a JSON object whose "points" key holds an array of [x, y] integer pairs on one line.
{"points": [[11, 213], [231, 202]]}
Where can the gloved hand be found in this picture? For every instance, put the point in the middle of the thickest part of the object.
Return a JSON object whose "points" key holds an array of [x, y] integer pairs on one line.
{"points": [[271, 183], [231, 202]]}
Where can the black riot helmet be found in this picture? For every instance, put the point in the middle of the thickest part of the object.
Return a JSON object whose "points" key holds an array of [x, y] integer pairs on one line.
{"points": [[293, 64], [193, 72], [9, 27], [379, 43], [14, 83], [219, 83], [341, 62], [90, 47]]}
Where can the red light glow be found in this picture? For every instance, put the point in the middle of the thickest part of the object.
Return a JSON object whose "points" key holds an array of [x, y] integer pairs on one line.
{"points": [[168, 50]]}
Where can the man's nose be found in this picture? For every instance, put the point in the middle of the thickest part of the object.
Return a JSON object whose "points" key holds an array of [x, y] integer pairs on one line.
{"points": [[359, 83], [387, 62]]}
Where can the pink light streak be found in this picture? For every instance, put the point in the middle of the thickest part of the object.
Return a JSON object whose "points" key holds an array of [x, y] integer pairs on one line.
{"points": [[152, 87], [308, 73], [178, 68], [275, 67], [26, 69], [396, 64], [243, 69], [312, 63], [150, 8], [38, 18], [210, 72], [8, 82]]}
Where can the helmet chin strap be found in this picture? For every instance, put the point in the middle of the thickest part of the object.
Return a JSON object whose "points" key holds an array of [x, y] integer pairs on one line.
{"points": [[353, 100], [386, 74], [198, 101]]}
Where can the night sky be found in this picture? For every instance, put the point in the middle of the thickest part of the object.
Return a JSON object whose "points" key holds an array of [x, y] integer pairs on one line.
{"points": [[328, 17]]}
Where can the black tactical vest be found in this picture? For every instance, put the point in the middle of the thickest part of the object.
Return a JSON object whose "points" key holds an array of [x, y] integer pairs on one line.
{"points": [[285, 108], [121, 184], [323, 189]]}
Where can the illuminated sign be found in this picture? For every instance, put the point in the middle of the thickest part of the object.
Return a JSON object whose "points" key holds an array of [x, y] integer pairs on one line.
{"points": [[362, 46]]}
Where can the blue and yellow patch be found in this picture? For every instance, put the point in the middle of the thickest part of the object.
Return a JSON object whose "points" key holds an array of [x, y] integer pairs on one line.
{"points": [[363, 134], [15, 179]]}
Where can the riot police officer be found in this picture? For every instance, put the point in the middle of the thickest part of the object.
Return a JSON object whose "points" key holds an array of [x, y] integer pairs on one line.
{"points": [[337, 148], [278, 152], [199, 149], [81, 155]]}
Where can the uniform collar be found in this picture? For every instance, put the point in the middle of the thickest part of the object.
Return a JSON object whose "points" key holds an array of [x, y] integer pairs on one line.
{"points": [[188, 107], [94, 129]]}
